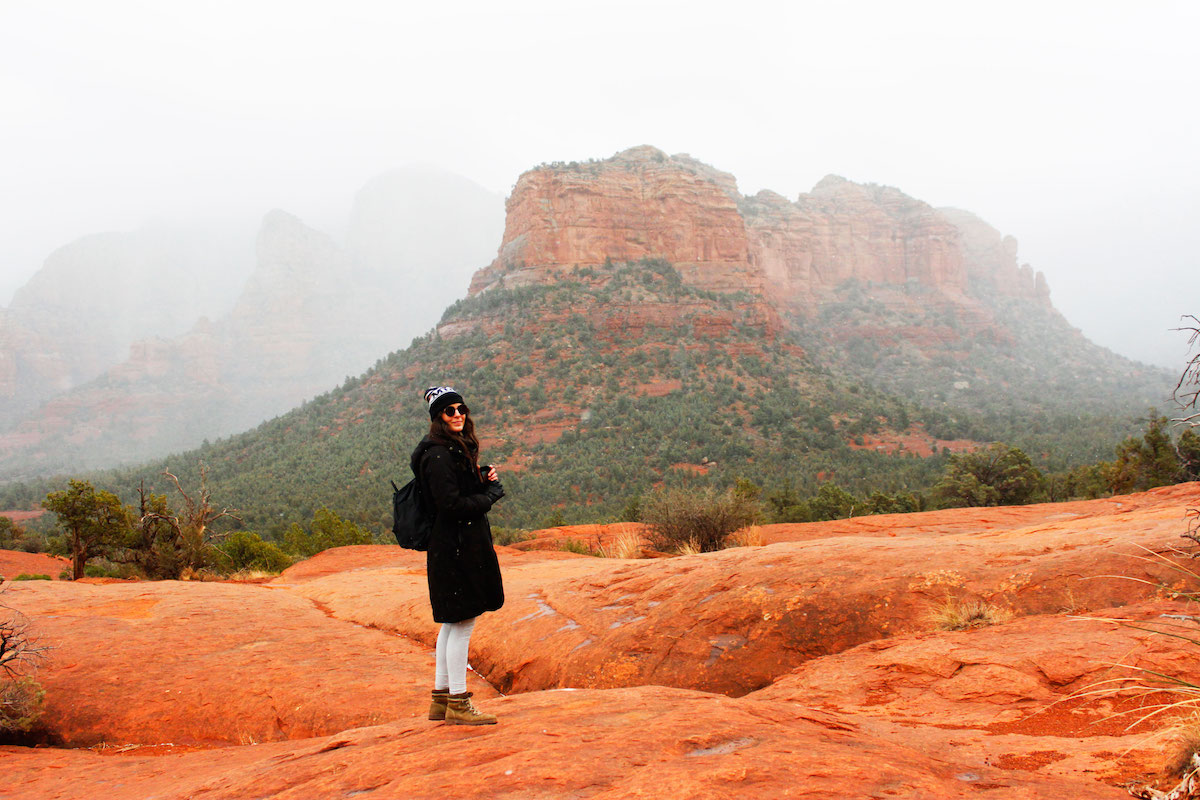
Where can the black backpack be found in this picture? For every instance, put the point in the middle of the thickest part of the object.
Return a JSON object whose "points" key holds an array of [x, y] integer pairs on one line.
{"points": [[411, 524]]}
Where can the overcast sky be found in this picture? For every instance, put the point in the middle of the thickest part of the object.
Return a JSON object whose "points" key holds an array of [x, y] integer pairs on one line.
{"points": [[1070, 125]]}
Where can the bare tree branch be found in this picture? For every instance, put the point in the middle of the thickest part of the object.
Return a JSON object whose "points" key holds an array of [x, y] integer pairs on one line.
{"points": [[199, 514], [1187, 389]]}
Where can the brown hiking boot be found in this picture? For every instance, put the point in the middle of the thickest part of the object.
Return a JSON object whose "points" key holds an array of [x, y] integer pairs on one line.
{"points": [[437, 708], [460, 711]]}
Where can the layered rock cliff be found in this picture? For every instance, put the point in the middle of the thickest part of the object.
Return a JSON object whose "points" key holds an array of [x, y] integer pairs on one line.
{"points": [[638, 204], [642, 203], [877, 284]]}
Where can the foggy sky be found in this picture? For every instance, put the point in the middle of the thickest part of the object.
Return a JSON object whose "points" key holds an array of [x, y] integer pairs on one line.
{"points": [[1069, 125]]}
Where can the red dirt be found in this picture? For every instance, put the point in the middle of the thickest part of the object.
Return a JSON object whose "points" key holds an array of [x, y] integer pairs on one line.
{"points": [[918, 443], [16, 562], [23, 516], [659, 388]]}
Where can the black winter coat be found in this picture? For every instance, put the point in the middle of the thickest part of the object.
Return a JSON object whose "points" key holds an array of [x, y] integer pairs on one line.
{"points": [[461, 566]]}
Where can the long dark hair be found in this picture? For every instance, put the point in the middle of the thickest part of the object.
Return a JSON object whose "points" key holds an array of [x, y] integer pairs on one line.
{"points": [[440, 429]]}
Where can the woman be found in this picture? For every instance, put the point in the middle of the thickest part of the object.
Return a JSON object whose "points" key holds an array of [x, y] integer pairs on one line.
{"points": [[461, 565]]}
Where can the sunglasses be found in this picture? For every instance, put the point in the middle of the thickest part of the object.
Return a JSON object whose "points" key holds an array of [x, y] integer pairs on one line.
{"points": [[455, 410]]}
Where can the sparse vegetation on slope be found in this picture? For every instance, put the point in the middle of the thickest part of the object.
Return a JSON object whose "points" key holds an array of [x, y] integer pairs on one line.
{"points": [[593, 390]]}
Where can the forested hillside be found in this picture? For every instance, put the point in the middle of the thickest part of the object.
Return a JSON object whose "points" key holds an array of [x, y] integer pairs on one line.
{"points": [[644, 324], [590, 392]]}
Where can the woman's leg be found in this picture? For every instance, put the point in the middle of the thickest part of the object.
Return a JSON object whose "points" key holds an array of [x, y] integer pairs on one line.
{"points": [[441, 677], [459, 708], [458, 637]]}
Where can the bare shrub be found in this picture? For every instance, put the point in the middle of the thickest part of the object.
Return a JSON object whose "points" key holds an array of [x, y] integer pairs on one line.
{"points": [[20, 695], [702, 518], [20, 704], [165, 544], [252, 575], [1187, 389]]}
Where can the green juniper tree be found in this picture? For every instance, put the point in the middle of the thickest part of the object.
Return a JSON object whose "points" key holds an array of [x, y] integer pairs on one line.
{"points": [[94, 521], [998, 475], [1148, 462]]}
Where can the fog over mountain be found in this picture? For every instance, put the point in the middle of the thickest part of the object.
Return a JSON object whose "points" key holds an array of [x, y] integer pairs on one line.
{"points": [[1066, 125], [130, 345]]}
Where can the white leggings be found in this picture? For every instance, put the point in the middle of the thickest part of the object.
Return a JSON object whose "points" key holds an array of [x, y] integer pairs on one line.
{"points": [[451, 669]]}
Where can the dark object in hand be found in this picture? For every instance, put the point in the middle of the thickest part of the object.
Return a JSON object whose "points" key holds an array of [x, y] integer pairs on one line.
{"points": [[494, 491]]}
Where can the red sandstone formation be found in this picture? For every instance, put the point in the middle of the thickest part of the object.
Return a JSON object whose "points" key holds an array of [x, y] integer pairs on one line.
{"points": [[733, 621], [1002, 678], [211, 664], [628, 744], [843, 231], [638, 204], [857, 696], [1164, 506], [1042, 693], [642, 203]]}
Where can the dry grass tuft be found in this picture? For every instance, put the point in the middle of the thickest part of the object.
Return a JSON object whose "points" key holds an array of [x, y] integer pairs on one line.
{"points": [[689, 548], [190, 574], [747, 537], [252, 575], [628, 544], [958, 614]]}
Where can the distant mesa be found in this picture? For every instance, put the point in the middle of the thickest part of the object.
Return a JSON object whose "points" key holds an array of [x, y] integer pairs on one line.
{"points": [[642, 203]]}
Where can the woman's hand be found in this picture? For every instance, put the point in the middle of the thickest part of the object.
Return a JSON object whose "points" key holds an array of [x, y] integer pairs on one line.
{"points": [[491, 475]]}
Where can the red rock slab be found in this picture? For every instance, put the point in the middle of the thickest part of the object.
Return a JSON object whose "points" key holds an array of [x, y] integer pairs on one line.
{"points": [[1002, 676], [734, 621], [208, 663], [345, 559], [926, 523], [338, 560], [997, 518], [1033, 693], [16, 562], [645, 742]]}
